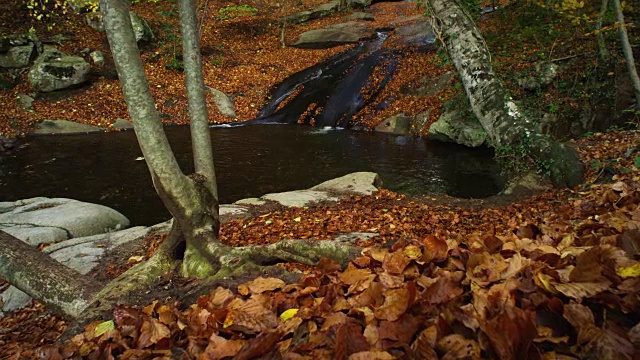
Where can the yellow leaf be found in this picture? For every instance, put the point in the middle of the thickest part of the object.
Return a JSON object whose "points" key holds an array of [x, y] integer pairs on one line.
{"points": [[288, 314], [629, 271], [297, 219], [103, 328], [413, 252], [135, 259]]}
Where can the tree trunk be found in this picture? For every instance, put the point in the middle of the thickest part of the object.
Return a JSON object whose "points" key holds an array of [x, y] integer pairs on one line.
{"points": [[192, 200], [60, 288], [603, 52], [499, 115], [627, 51]]}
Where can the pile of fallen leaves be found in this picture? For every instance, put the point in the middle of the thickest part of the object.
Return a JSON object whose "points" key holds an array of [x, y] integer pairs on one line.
{"points": [[561, 289]]}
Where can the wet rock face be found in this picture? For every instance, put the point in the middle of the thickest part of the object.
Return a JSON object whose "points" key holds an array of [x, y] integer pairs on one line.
{"points": [[54, 70]]}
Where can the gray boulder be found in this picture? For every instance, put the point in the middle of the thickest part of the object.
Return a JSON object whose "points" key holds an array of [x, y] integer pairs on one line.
{"points": [[457, 127], [141, 28], [53, 70], [364, 183], [398, 124], [318, 12], [334, 35], [25, 101], [223, 103], [43, 220], [48, 127], [122, 124], [359, 3], [416, 33], [18, 56], [97, 57], [300, 198], [545, 73], [361, 16]]}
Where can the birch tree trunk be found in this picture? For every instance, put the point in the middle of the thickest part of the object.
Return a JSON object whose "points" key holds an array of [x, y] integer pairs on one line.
{"points": [[501, 118]]}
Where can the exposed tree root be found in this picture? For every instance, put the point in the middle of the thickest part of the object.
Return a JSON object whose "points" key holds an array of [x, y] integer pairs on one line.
{"points": [[235, 266]]}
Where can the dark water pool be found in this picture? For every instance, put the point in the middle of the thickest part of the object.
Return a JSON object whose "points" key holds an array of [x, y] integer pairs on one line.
{"points": [[250, 161]]}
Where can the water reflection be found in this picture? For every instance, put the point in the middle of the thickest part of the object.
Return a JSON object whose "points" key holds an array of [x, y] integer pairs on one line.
{"points": [[250, 161]]}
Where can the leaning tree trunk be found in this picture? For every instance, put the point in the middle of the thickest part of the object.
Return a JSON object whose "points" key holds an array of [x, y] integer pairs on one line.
{"points": [[41, 277], [505, 124]]}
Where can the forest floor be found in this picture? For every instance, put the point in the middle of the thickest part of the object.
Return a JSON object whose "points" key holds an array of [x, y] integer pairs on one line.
{"points": [[553, 276]]}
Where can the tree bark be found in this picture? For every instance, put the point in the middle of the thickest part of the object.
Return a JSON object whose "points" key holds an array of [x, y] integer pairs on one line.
{"points": [[501, 118], [60, 288], [627, 51], [603, 52], [194, 79]]}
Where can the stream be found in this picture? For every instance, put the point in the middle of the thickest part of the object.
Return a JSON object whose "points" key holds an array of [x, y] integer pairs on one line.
{"points": [[250, 161]]}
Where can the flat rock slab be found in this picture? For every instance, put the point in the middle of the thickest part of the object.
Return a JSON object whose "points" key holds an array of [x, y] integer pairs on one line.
{"points": [[48, 127], [233, 211], [43, 220], [363, 183], [334, 35], [300, 198]]}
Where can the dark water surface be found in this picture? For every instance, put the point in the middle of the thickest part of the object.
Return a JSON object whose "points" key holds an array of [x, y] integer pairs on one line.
{"points": [[250, 161]]}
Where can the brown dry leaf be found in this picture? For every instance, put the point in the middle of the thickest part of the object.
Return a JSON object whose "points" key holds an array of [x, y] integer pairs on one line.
{"points": [[376, 253], [371, 355], [328, 266], [372, 335], [353, 276], [396, 302], [425, 344], [580, 291], [395, 263], [435, 249], [243, 289], [265, 343], [151, 332], [389, 281], [456, 347], [219, 297], [349, 340], [588, 267], [485, 269], [219, 347], [443, 290], [511, 333], [249, 317], [166, 315], [332, 319], [595, 341], [260, 285]]}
